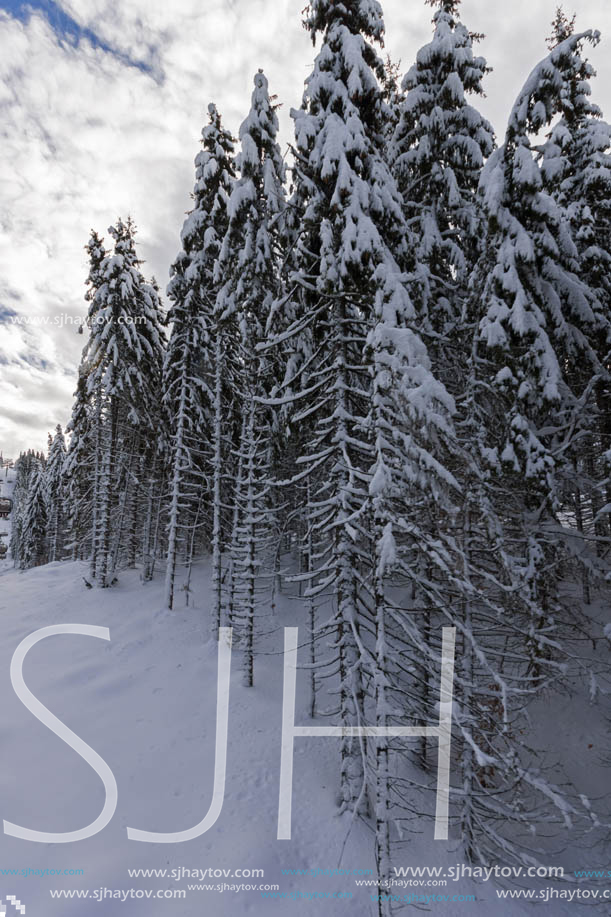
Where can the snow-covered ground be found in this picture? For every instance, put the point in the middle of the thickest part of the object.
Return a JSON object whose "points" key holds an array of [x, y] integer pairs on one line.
{"points": [[146, 702]]}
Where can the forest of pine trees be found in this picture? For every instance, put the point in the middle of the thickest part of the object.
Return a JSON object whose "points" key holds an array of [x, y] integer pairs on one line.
{"points": [[383, 382]]}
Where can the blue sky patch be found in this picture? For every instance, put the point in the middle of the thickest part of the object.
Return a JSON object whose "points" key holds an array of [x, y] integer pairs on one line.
{"points": [[69, 30]]}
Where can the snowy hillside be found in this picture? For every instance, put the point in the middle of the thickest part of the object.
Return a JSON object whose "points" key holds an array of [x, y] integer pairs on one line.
{"points": [[145, 702]]}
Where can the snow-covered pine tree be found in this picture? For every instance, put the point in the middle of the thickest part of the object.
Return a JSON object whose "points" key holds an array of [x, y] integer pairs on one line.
{"points": [[437, 153], [34, 531], [457, 552], [192, 372], [154, 463], [122, 362], [249, 269], [414, 500], [438, 534], [339, 185], [533, 315], [394, 96], [24, 467], [56, 497], [79, 474], [538, 318], [96, 252], [145, 505], [379, 421], [352, 322], [576, 169]]}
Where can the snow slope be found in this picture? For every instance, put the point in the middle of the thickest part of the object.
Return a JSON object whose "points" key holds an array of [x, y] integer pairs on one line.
{"points": [[145, 702]]}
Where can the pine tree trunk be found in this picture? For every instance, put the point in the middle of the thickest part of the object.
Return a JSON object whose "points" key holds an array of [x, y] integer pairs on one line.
{"points": [[585, 578], [232, 575], [148, 539], [217, 555], [105, 567], [191, 549], [250, 570], [352, 695], [469, 780], [170, 578], [311, 609], [134, 489], [96, 495], [382, 803]]}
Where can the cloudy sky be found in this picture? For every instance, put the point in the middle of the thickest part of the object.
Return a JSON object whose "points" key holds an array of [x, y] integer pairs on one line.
{"points": [[101, 108]]}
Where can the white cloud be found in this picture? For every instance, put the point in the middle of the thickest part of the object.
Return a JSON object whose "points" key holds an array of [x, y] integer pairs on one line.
{"points": [[86, 138]]}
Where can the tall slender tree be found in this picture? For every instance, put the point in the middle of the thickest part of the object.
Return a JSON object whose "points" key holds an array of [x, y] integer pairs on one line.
{"points": [[537, 320], [33, 548], [56, 496], [79, 473], [352, 323], [122, 362], [249, 262], [190, 371]]}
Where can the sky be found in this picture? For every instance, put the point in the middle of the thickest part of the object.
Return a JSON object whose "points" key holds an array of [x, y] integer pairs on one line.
{"points": [[101, 109]]}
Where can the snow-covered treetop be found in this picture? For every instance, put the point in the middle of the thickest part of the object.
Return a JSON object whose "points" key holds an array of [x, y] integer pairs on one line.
{"points": [[123, 355], [191, 273], [214, 174], [192, 289], [437, 152], [347, 72], [260, 151], [452, 48], [248, 261], [437, 124], [96, 252], [547, 91], [580, 133], [132, 298], [358, 16], [56, 459], [557, 86], [352, 199], [562, 28], [541, 313], [445, 6], [57, 447], [575, 163]]}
